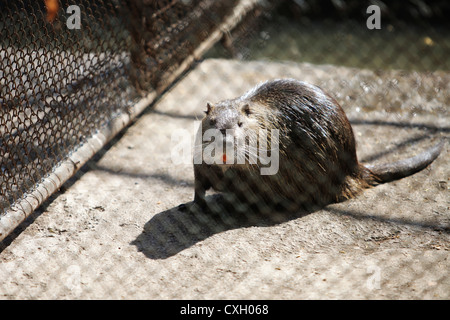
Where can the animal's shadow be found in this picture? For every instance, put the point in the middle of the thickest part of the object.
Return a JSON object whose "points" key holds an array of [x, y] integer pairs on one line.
{"points": [[174, 230]]}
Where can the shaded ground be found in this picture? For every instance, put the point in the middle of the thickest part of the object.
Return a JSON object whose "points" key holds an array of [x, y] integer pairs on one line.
{"points": [[116, 231]]}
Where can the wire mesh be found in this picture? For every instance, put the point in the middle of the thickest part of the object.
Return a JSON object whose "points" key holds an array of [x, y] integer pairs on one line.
{"points": [[62, 83], [141, 236], [57, 89]]}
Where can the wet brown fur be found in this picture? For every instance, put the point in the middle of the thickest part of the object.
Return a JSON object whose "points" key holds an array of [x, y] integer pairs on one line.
{"points": [[317, 153]]}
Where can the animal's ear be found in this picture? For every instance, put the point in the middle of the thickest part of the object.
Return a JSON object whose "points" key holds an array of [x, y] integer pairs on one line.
{"points": [[246, 109], [209, 107]]}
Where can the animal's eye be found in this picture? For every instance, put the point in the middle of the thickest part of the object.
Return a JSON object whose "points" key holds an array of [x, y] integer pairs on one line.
{"points": [[246, 110], [212, 122], [240, 124]]}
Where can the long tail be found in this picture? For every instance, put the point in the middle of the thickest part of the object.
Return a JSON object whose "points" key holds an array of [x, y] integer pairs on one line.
{"points": [[382, 173]]}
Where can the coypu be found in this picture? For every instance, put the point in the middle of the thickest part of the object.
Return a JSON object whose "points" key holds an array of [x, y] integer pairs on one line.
{"points": [[317, 163]]}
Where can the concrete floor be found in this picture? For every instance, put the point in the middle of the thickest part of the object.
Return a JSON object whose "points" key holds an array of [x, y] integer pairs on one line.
{"points": [[115, 231]]}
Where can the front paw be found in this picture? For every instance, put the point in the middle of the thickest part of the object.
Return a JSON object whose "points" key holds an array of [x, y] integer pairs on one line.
{"points": [[194, 206]]}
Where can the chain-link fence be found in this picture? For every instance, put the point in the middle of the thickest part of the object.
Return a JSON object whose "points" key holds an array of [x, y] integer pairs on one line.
{"points": [[73, 75], [68, 71]]}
